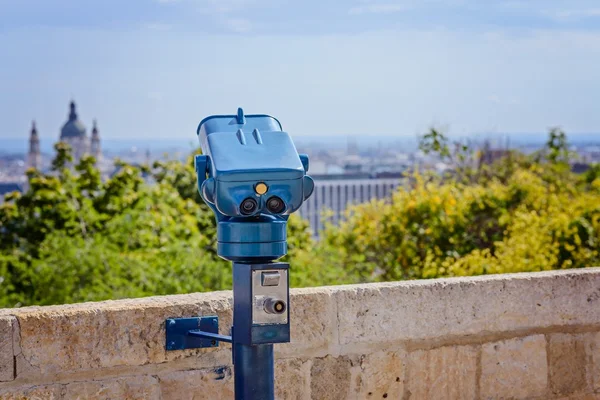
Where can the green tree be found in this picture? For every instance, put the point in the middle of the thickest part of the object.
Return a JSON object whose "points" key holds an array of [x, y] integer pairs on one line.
{"points": [[525, 213], [72, 237], [457, 154]]}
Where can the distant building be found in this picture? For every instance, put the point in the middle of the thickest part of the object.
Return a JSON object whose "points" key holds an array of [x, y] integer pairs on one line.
{"points": [[96, 150], [489, 155], [34, 158], [338, 195], [579, 167], [73, 132]]}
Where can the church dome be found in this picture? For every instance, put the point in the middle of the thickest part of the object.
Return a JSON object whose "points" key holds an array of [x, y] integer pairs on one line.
{"points": [[73, 127]]}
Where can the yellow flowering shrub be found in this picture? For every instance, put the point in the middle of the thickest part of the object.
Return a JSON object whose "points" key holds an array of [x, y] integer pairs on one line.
{"points": [[531, 216]]}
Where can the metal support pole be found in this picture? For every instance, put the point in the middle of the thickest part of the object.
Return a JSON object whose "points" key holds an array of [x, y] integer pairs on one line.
{"points": [[254, 330], [254, 372]]}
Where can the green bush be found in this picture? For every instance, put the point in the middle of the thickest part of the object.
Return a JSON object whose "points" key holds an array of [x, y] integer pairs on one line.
{"points": [[72, 237], [519, 214]]}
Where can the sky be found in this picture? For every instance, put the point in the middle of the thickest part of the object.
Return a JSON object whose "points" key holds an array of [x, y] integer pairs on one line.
{"points": [[152, 69]]}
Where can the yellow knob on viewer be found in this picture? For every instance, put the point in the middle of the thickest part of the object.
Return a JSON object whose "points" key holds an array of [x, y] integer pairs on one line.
{"points": [[260, 188]]}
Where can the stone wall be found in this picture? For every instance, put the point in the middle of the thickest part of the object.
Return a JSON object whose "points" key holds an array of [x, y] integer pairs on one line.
{"points": [[521, 336]]}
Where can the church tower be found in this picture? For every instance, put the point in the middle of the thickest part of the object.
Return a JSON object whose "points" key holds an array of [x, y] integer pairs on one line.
{"points": [[73, 133], [34, 159], [96, 151]]}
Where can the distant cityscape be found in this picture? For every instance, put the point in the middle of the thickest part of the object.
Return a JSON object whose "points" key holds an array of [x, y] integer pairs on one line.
{"points": [[347, 170]]}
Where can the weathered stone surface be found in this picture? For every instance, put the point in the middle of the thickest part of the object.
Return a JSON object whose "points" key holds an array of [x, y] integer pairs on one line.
{"points": [[113, 333], [313, 323], [448, 372], [41, 392], [292, 379], [446, 307], [131, 388], [588, 396], [593, 358], [331, 378], [111, 342], [7, 359], [380, 376], [131, 332], [515, 368], [209, 384], [567, 362]]}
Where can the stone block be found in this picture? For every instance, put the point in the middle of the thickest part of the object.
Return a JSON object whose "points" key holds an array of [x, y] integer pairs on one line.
{"points": [[7, 356], [205, 384], [593, 353], [131, 388], [588, 396], [448, 372], [87, 336], [567, 362], [514, 368], [40, 392], [380, 376], [432, 309], [331, 378], [292, 379], [313, 323]]}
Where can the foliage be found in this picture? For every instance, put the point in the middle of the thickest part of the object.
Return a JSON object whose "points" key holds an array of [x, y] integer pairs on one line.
{"points": [[456, 153], [518, 214], [73, 236]]}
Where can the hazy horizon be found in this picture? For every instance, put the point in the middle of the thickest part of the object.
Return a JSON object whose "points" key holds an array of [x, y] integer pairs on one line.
{"points": [[20, 145]]}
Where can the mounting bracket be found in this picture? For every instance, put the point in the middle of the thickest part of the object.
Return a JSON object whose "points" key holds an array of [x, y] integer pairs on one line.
{"points": [[193, 333]]}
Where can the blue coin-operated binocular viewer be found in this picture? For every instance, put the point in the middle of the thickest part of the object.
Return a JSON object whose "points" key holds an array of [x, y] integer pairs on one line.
{"points": [[252, 177]]}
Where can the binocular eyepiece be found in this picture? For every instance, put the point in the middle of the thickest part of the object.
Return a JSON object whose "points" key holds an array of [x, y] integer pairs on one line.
{"points": [[248, 206], [274, 205]]}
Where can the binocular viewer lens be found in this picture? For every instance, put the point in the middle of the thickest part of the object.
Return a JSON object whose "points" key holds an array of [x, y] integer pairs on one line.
{"points": [[274, 306], [248, 206], [275, 205]]}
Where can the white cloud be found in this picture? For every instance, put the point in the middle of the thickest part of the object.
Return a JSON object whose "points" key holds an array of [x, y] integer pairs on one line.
{"points": [[560, 11], [158, 27], [494, 99], [155, 96], [221, 6], [378, 9], [227, 6], [223, 12], [214, 6], [506, 101], [555, 9], [238, 25], [575, 14]]}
